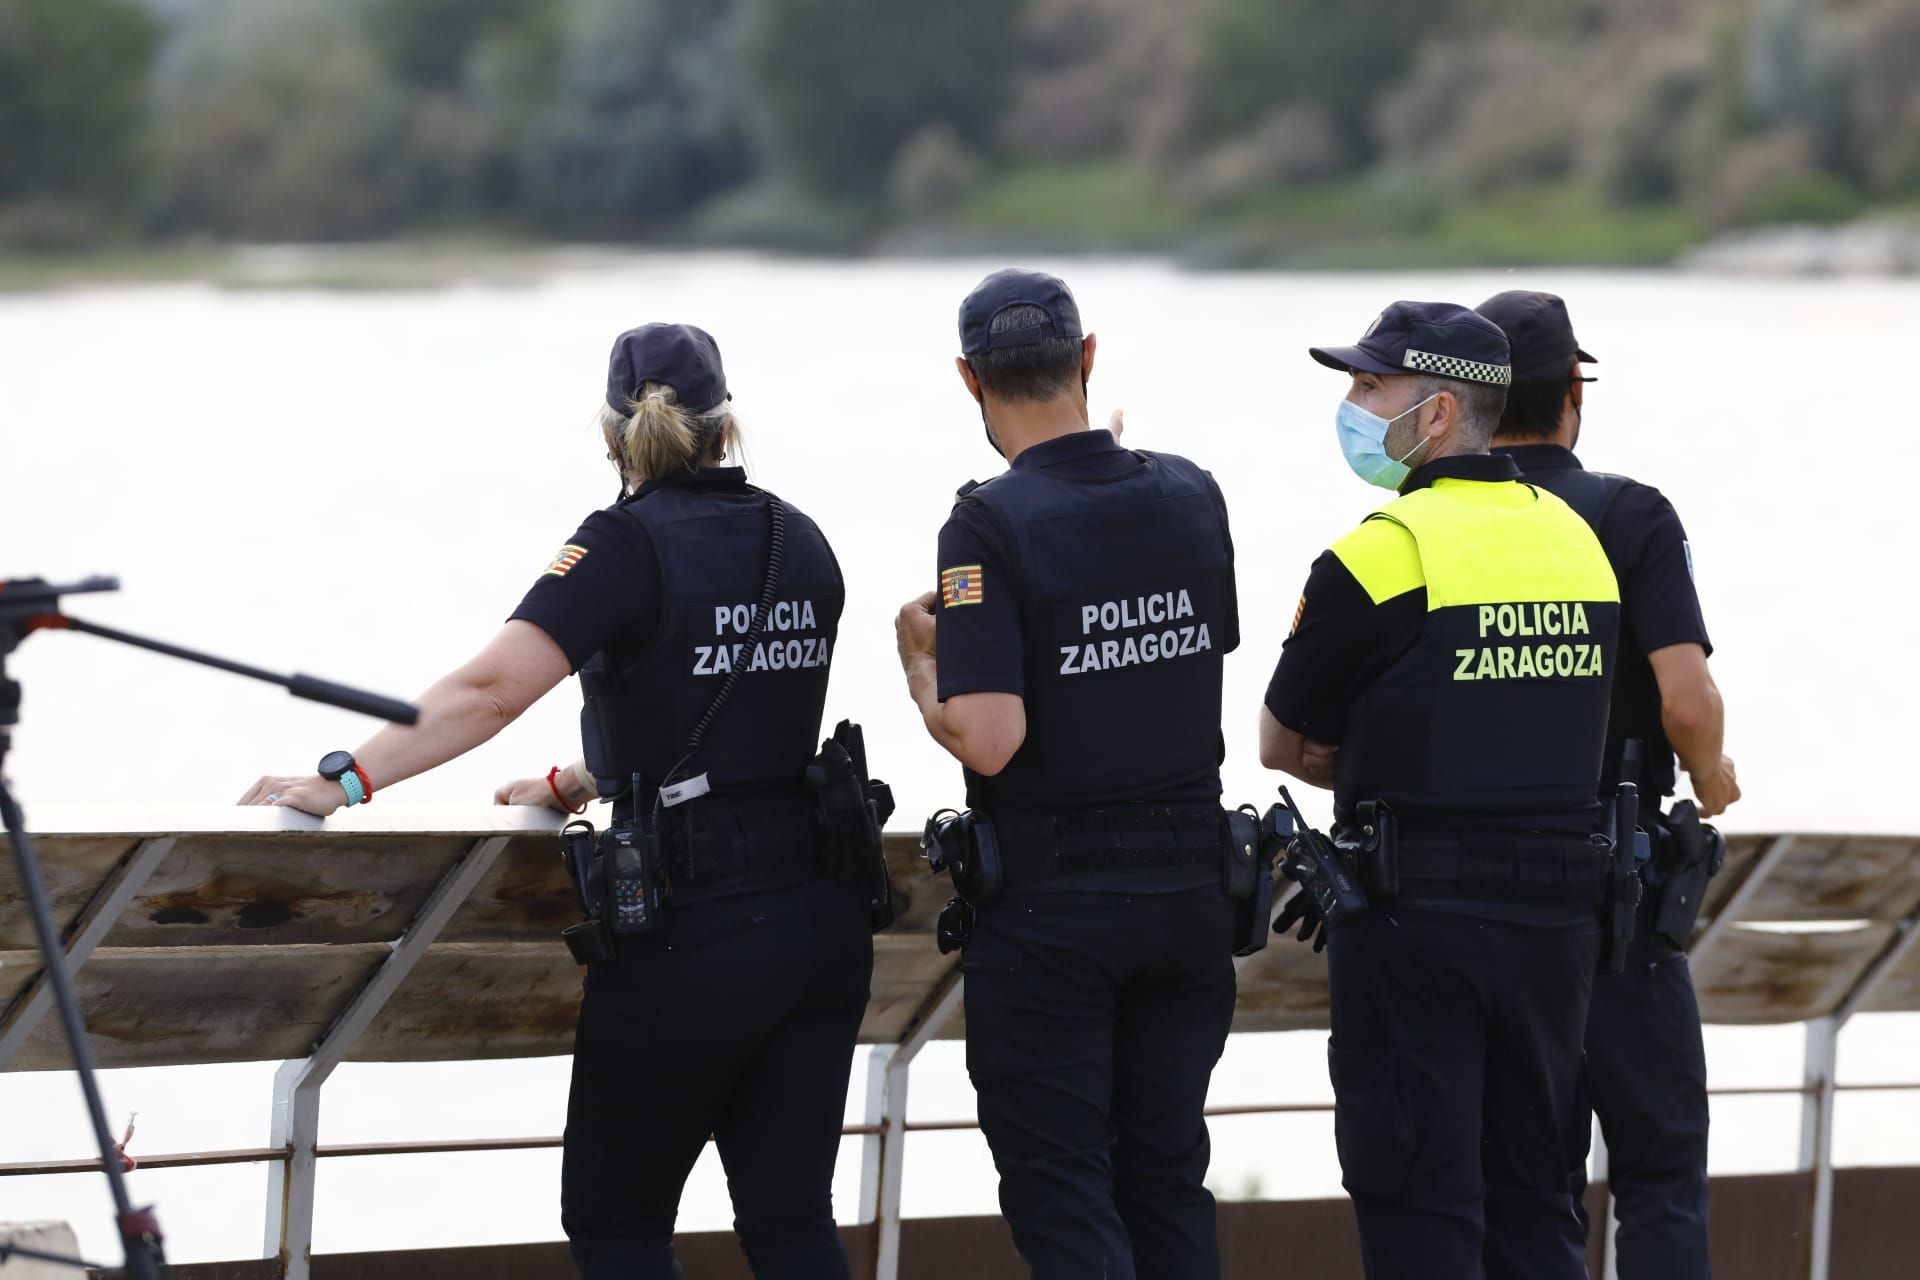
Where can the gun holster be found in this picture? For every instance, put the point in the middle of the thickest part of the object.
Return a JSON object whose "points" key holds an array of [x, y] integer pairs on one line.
{"points": [[1631, 848], [1695, 853], [964, 846], [850, 813], [1246, 877]]}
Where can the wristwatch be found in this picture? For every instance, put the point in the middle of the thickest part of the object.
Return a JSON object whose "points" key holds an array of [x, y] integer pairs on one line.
{"points": [[340, 767]]}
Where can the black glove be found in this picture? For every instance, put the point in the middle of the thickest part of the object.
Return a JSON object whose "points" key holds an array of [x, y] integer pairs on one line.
{"points": [[1302, 910]]}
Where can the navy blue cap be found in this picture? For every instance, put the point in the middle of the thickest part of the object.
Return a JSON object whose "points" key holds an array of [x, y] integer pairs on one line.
{"points": [[1012, 287], [1436, 338], [679, 355], [1539, 330]]}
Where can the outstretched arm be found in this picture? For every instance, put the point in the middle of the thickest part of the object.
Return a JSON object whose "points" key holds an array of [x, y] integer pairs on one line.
{"points": [[458, 713]]}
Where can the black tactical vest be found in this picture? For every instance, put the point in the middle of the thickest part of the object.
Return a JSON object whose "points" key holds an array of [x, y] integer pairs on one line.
{"points": [[1636, 694], [1124, 582], [641, 706], [1496, 714]]}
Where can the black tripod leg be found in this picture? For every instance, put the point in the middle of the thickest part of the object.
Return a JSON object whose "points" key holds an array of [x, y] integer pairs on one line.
{"points": [[138, 1231]]}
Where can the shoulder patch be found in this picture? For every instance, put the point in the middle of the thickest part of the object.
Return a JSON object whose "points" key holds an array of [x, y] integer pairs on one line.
{"points": [[961, 585], [562, 563]]}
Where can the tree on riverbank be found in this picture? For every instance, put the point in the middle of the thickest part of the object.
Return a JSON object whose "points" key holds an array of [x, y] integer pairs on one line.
{"points": [[1378, 130]]}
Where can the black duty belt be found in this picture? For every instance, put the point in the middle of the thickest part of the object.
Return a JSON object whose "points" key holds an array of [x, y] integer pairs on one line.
{"points": [[1525, 866], [709, 840], [1044, 846]]}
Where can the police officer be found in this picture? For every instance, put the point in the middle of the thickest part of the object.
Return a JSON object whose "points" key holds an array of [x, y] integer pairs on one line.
{"points": [[1086, 601], [735, 1018], [1449, 667], [1646, 1071]]}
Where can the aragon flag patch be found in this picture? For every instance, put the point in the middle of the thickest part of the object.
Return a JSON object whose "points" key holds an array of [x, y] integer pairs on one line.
{"points": [[562, 564], [960, 585]]}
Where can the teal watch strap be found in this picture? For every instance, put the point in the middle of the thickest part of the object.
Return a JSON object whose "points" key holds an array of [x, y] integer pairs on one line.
{"points": [[350, 783]]}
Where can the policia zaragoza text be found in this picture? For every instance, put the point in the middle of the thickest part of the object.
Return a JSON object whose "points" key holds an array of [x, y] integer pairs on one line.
{"points": [[1524, 662], [1131, 615], [795, 653]]}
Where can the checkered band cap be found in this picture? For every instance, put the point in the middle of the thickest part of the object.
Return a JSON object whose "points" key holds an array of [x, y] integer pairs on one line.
{"points": [[1498, 375], [1442, 339]]}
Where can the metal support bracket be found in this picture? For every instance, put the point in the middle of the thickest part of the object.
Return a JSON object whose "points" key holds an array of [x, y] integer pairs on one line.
{"points": [[296, 1086], [1764, 866], [89, 931], [887, 1107]]}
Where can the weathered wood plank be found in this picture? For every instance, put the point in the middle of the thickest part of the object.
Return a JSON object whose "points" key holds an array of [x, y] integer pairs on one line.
{"points": [[1767, 976], [74, 868], [169, 1005], [1842, 877], [218, 891]]}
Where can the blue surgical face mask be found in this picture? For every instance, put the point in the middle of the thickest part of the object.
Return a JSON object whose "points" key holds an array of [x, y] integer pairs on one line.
{"points": [[1363, 438]]}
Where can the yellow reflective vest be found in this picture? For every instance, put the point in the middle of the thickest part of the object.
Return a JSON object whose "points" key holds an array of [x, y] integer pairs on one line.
{"points": [[1499, 704]]}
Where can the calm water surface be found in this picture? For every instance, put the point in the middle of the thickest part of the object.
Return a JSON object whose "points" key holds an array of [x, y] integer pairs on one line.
{"points": [[362, 485]]}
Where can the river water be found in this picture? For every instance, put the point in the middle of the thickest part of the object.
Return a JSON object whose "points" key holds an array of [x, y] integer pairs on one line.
{"points": [[360, 485]]}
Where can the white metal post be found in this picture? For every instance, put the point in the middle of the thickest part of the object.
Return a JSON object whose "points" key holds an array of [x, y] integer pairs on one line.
{"points": [[89, 931], [1822, 1073], [1816, 1138], [893, 1071], [296, 1086], [878, 1058]]}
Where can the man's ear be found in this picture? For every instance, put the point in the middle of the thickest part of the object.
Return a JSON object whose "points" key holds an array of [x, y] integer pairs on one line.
{"points": [[1087, 345], [1446, 416], [968, 376]]}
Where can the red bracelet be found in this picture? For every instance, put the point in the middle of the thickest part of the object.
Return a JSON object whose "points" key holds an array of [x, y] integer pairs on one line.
{"points": [[554, 787], [366, 787]]}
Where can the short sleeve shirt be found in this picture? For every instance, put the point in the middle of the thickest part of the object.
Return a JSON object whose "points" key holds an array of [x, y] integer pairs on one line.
{"points": [[1647, 545], [601, 591]]}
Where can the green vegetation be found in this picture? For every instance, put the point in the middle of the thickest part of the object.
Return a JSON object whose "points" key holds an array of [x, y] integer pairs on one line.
{"points": [[1281, 132]]}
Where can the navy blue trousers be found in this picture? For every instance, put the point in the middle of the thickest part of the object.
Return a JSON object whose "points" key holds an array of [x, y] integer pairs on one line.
{"points": [[1093, 1024], [735, 1020], [1646, 1078], [1455, 1057]]}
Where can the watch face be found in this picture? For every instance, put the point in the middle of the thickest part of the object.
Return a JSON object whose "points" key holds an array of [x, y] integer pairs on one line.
{"points": [[334, 764]]}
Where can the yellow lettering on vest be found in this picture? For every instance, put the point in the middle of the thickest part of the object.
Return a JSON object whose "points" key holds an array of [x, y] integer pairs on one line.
{"points": [[1524, 667], [1466, 660], [1486, 619], [1579, 627], [1506, 662], [1509, 621], [1489, 668]]}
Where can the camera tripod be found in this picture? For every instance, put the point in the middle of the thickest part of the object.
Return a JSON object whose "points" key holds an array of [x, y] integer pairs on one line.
{"points": [[28, 605]]}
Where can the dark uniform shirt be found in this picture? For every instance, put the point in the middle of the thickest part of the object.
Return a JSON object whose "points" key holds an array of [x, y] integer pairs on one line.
{"points": [[982, 650], [602, 590], [980, 646], [1659, 606], [1341, 643]]}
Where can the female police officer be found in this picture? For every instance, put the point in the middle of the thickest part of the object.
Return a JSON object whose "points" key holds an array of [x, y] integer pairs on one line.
{"points": [[734, 1018]]}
